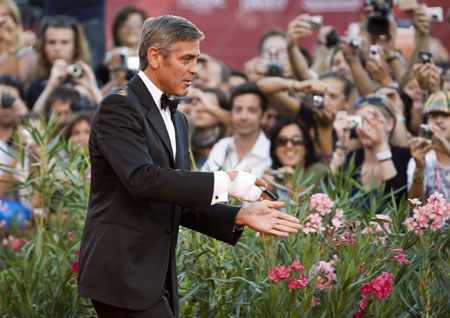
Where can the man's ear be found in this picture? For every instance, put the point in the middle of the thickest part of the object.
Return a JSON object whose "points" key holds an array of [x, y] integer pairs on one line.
{"points": [[154, 57]]}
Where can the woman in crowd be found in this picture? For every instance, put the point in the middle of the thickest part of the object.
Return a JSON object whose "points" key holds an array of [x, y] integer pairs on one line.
{"points": [[210, 118], [376, 161], [79, 128], [10, 37], [63, 57], [121, 62], [429, 168], [292, 148]]}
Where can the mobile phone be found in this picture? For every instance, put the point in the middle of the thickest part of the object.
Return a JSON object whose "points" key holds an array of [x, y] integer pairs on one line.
{"points": [[270, 194], [425, 56]]}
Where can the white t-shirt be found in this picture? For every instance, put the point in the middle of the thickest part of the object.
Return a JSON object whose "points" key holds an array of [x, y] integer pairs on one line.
{"points": [[436, 178], [224, 156]]}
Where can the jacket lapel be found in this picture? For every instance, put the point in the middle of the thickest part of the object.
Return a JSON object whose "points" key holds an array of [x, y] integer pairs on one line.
{"points": [[153, 115], [181, 151]]}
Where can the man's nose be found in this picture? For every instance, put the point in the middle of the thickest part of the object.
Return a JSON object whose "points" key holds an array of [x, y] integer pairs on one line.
{"points": [[193, 68]]}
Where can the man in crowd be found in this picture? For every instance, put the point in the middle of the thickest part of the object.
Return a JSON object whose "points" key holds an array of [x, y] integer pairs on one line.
{"points": [[248, 147]]}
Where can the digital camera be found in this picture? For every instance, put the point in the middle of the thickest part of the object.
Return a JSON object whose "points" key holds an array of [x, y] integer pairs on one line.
{"points": [[425, 56], [316, 21], [435, 14], [317, 100], [425, 132], [378, 22], [74, 70], [7, 99], [354, 121]]}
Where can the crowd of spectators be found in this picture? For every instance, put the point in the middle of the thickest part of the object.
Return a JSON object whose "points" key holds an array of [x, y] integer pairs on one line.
{"points": [[354, 99]]}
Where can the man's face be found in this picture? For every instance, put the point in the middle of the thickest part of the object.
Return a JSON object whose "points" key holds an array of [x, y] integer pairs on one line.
{"points": [[63, 110], [59, 44], [175, 74], [9, 115], [201, 118], [209, 73], [334, 95], [340, 65], [246, 114], [275, 44]]}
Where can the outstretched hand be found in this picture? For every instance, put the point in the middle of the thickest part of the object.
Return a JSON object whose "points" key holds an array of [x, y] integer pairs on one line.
{"points": [[265, 218]]}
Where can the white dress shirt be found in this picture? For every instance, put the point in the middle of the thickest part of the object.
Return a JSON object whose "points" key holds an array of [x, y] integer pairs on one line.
{"points": [[224, 156], [221, 179]]}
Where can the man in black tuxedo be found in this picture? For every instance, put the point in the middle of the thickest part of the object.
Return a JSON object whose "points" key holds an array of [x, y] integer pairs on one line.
{"points": [[141, 189]]}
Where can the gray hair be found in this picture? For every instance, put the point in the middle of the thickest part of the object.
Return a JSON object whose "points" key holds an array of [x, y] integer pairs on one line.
{"points": [[162, 32]]}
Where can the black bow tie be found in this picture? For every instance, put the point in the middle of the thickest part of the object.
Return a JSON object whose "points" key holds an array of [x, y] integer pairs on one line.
{"points": [[167, 102]]}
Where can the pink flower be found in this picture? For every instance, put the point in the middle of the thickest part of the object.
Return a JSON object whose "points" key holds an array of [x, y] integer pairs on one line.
{"points": [[366, 288], [2, 223], [298, 283], [321, 202], [16, 244], [70, 237], [296, 266], [74, 267], [415, 201], [279, 273], [411, 224], [315, 301], [77, 254], [339, 213], [5, 242], [361, 268]]}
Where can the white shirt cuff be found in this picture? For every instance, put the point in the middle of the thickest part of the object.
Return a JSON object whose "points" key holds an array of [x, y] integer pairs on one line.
{"points": [[220, 191]]}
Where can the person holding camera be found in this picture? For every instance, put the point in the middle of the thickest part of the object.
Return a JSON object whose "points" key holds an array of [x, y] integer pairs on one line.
{"points": [[429, 167], [121, 61], [376, 161], [63, 57]]}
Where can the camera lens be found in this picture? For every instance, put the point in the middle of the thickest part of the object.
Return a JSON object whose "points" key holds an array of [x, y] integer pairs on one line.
{"points": [[74, 70]]}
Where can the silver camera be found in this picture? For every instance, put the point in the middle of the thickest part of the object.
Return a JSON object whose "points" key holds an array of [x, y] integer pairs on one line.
{"points": [[435, 14], [316, 21], [354, 41], [354, 121], [374, 52], [74, 70]]}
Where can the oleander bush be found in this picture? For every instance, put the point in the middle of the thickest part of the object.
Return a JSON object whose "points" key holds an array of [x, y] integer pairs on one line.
{"points": [[359, 254]]}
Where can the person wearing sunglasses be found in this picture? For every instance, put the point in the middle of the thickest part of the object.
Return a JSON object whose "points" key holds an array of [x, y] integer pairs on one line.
{"points": [[376, 161], [291, 147]]}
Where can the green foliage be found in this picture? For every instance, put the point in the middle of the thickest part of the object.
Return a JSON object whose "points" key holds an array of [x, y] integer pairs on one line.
{"points": [[218, 280]]}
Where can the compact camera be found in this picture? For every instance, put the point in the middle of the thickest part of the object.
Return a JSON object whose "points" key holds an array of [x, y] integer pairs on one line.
{"points": [[435, 14], [332, 39], [378, 21], [317, 101], [374, 52], [425, 56], [354, 121], [7, 99], [425, 133], [316, 21], [74, 70], [129, 62], [354, 41], [273, 65]]}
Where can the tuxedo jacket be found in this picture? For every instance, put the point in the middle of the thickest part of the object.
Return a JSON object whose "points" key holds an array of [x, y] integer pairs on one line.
{"points": [[139, 196]]}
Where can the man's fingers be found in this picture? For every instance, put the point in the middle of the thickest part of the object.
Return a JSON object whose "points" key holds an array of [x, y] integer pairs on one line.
{"points": [[285, 229], [278, 233], [275, 205]]}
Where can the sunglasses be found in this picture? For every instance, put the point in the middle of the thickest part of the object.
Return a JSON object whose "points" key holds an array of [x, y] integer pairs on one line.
{"points": [[133, 24], [60, 21], [295, 141], [374, 100]]}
